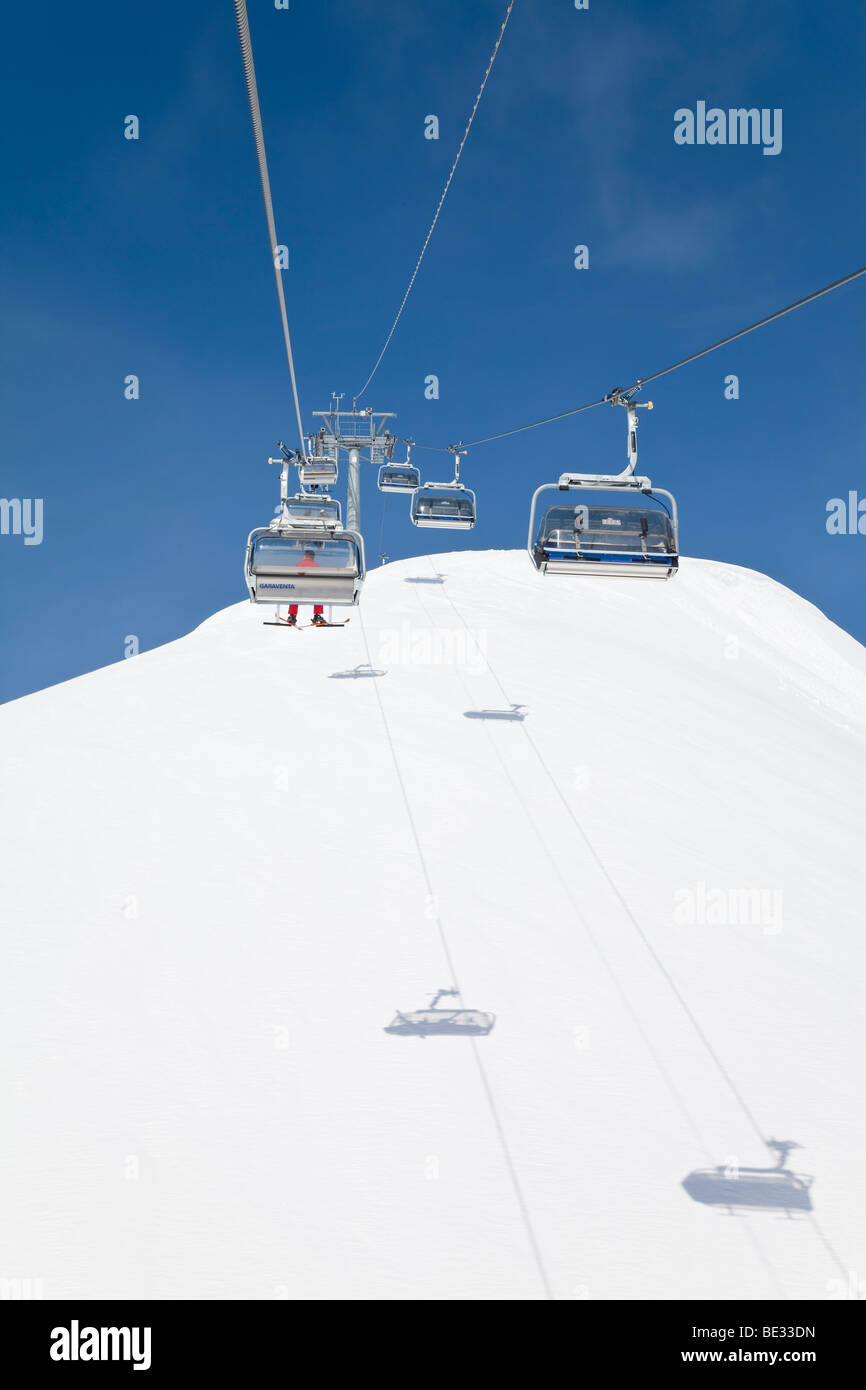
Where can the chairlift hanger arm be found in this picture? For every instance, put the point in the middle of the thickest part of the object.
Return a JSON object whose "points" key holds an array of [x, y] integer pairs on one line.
{"points": [[456, 450]]}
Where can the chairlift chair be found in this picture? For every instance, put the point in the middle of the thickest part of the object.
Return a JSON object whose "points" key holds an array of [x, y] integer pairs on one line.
{"points": [[318, 470], [635, 538], [399, 477], [305, 555], [304, 564], [448, 506]]}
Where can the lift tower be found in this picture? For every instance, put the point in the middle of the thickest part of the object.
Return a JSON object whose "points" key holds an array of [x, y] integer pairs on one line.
{"points": [[354, 430]]}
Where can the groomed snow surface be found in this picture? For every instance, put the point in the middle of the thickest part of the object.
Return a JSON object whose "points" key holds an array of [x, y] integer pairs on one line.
{"points": [[652, 873]]}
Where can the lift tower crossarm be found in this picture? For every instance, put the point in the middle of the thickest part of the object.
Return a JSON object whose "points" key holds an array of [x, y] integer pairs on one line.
{"points": [[369, 428], [354, 430]]}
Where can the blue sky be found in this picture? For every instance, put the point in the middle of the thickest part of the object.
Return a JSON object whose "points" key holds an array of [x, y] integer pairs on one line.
{"points": [[151, 258]]}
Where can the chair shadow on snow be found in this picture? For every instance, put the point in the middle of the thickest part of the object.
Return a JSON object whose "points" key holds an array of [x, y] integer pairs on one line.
{"points": [[755, 1189], [516, 714], [362, 672], [434, 1021]]}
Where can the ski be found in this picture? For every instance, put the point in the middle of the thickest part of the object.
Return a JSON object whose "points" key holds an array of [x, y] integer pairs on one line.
{"points": [[300, 627]]}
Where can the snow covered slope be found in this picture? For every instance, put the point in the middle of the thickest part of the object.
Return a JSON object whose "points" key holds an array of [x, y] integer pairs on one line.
{"points": [[228, 861]]}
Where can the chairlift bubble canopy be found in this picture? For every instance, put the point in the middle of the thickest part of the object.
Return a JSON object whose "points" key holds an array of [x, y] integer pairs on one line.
{"points": [[448, 506], [293, 564], [631, 532], [633, 535], [399, 477], [318, 470], [310, 508]]}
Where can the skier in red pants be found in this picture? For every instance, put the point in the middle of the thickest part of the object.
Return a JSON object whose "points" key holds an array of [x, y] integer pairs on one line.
{"points": [[308, 562]]}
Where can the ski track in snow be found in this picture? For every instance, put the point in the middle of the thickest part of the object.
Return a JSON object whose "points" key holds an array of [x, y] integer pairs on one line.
{"points": [[213, 903]]}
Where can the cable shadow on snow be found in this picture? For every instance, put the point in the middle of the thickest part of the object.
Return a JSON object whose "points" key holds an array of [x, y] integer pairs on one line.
{"points": [[755, 1189], [423, 579]]}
